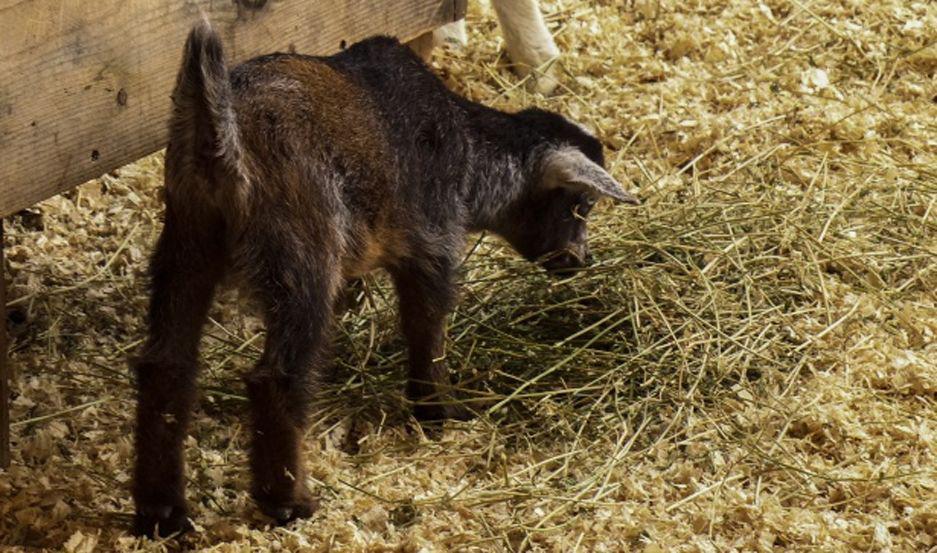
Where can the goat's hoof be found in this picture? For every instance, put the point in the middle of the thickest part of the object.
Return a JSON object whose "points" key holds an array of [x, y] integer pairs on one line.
{"points": [[544, 84], [161, 521], [429, 414], [285, 512], [459, 413]]}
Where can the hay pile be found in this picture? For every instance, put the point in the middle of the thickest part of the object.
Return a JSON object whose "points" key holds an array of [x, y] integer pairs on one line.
{"points": [[751, 364]]}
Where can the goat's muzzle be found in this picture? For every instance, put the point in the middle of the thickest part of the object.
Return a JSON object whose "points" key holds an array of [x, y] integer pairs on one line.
{"points": [[565, 263]]}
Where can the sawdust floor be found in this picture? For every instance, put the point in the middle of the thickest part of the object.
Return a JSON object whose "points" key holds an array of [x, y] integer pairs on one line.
{"points": [[751, 365]]}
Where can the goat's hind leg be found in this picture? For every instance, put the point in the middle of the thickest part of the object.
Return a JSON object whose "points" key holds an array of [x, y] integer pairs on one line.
{"points": [[187, 265], [299, 311]]}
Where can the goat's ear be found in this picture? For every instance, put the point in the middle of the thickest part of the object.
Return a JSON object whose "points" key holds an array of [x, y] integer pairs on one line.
{"points": [[570, 168]]}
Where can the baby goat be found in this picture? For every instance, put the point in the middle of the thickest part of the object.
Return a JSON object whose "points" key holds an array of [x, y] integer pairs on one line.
{"points": [[297, 173]]}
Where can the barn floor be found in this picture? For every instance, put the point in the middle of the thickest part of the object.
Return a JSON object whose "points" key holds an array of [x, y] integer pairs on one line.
{"points": [[750, 366]]}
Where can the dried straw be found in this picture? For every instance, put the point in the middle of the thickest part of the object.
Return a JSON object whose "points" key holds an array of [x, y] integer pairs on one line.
{"points": [[750, 365]]}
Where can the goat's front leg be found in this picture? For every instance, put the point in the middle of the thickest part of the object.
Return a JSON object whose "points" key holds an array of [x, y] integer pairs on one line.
{"points": [[427, 295], [300, 301]]}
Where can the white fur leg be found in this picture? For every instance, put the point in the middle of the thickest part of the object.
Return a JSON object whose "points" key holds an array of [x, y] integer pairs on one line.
{"points": [[423, 46], [452, 35], [528, 41]]}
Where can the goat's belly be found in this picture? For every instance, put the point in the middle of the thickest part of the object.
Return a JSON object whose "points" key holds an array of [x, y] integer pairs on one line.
{"points": [[361, 265], [376, 250]]}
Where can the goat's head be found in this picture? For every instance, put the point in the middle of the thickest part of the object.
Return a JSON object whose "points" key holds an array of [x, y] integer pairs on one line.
{"points": [[548, 223]]}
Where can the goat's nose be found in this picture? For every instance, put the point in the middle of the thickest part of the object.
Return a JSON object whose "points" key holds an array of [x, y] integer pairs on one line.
{"points": [[563, 263]]}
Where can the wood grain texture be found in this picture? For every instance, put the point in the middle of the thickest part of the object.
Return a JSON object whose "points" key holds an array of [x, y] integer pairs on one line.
{"points": [[85, 85], [4, 367]]}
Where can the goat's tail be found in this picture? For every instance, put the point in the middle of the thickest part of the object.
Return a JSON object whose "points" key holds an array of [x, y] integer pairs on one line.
{"points": [[204, 134]]}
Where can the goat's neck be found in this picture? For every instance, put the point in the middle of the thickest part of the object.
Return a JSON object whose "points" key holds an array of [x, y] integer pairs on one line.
{"points": [[500, 171]]}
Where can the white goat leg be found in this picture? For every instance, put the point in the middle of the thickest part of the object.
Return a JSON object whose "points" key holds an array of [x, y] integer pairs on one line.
{"points": [[423, 45], [452, 35], [528, 41]]}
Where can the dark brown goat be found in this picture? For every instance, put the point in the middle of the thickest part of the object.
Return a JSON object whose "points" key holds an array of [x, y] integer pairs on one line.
{"points": [[295, 174]]}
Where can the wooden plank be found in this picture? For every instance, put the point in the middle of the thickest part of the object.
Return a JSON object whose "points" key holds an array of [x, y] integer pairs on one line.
{"points": [[85, 85], [4, 366]]}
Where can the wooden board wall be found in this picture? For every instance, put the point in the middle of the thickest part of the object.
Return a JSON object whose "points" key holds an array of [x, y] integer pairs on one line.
{"points": [[84, 86]]}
